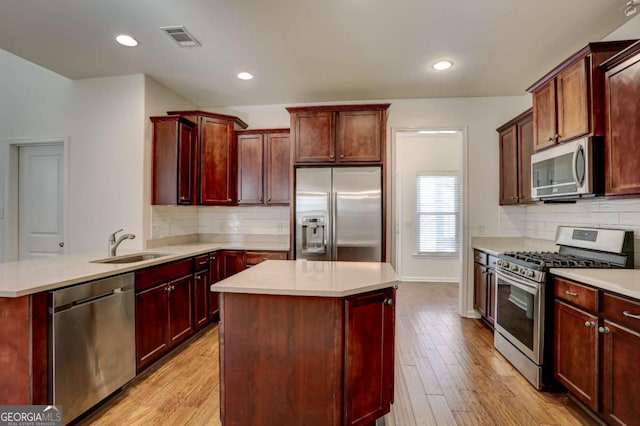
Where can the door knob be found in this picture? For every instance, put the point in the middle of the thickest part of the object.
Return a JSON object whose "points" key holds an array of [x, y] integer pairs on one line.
{"points": [[388, 302]]}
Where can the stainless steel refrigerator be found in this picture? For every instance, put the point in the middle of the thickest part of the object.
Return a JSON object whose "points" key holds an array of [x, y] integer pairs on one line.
{"points": [[338, 213]]}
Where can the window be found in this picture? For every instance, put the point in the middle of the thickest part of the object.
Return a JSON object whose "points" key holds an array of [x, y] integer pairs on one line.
{"points": [[438, 205]]}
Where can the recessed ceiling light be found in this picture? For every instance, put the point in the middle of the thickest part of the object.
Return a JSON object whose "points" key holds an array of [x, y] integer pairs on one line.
{"points": [[442, 65], [126, 40], [245, 76]]}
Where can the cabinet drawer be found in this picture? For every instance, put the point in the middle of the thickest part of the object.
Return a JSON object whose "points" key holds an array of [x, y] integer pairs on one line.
{"points": [[201, 262], [480, 257], [621, 310], [150, 277], [255, 257], [577, 294]]}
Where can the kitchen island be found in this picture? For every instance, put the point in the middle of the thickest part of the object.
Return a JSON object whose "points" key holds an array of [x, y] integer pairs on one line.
{"points": [[305, 342]]}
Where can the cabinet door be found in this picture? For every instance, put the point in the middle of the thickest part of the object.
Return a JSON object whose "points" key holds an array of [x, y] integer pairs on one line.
{"points": [[622, 163], [314, 136], [201, 299], [369, 352], [573, 101], [214, 277], [508, 166], [576, 351], [152, 324], [278, 164], [180, 314], [491, 296], [232, 263], [621, 351], [250, 169], [217, 162], [186, 160], [480, 288], [525, 149], [544, 116], [358, 136]]}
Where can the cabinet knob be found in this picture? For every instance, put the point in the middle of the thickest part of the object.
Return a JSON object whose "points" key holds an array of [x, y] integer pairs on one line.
{"points": [[229, 199], [61, 244], [513, 197], [168, 288], [341, 155], [590, 324], [198, 277], [388, 302], [331, 156], [604, 330], [557, 136], [183, 198], [550, 139], [213, 258]]}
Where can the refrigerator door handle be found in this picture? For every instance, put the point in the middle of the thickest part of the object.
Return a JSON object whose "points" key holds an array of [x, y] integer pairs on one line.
{"points": [[326, 241], [334, 226]]}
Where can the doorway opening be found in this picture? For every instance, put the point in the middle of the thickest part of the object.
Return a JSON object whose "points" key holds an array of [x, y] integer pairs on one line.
{"points": [[430, 206], [36, 198]]}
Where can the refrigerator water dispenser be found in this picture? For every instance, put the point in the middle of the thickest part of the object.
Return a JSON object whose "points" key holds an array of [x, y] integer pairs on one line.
{"points": [[313, 234]]}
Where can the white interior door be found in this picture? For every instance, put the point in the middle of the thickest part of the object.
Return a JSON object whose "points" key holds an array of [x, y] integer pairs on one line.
{"points": [[40, 201]]}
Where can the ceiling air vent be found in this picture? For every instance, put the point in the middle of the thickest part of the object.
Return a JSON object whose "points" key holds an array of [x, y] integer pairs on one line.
{"points": [[181, 36]]}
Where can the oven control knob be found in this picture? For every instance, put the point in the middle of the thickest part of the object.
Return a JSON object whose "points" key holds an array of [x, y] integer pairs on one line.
{"points": [[531, 273], [514, 267], [499, 263]]}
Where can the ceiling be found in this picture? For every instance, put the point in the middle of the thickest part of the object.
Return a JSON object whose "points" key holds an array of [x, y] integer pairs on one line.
{"points": [[310, 50]]}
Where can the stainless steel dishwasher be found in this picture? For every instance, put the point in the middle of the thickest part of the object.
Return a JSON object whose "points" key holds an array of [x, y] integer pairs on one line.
{"points": [[93, 342]]}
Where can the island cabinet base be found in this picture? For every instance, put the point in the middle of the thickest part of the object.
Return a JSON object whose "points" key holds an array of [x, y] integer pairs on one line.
{"points": [[298, 360]]}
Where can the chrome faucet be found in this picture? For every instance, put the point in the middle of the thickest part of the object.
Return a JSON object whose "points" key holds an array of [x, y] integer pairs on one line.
{"points": [[113, 243]]}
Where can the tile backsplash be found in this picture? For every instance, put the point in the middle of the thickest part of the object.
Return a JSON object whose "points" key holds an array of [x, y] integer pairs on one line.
{"points": [[172, 221], [541, 220]]}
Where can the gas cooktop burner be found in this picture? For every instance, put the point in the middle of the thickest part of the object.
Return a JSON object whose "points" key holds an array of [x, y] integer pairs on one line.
{"points": [[547, 259]]}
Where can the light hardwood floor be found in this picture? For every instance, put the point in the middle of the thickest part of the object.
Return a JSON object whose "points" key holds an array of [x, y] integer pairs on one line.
{"points": [[447, 373]]}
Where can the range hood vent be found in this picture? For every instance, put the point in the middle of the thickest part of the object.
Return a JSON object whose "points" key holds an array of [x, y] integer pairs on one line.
{"points": [[181, 36]]}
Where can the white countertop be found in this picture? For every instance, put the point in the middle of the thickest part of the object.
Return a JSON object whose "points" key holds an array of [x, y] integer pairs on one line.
{"points": [[310, 278], [497, 245], [33, 276], [622, 281]]}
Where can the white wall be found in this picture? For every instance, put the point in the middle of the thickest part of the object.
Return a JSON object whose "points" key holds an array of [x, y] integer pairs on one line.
{"points": [[416, 153], [34, 103]]}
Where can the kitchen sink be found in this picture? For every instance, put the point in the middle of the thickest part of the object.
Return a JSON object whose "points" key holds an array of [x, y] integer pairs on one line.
{"points": [[130, 258]]}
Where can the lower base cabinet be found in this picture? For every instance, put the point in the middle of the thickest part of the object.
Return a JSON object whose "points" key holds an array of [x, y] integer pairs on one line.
{"points": [[484, 286], [164, 300], [597, 348]]}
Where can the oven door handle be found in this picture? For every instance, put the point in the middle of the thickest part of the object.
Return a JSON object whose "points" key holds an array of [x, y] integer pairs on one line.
{"points": [[531, 289]]}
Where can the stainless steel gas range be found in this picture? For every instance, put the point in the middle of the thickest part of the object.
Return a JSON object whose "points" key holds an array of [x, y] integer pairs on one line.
{"points": [[524, 294]]}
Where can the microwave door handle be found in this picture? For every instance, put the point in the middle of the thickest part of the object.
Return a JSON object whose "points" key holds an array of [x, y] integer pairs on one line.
{"points": [[574, 166]]}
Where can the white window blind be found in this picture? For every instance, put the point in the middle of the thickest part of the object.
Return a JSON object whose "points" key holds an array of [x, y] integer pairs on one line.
{"points": [[438, 202]]}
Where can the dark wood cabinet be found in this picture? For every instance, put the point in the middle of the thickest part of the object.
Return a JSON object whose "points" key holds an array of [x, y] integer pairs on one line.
{"points": [[331, 359], [254, 257], [231, 262], [576, 339], [164, 300], [516, 146], [369, 357], [597, 345], [216, 156], [201, 291], [338, 133], [214, 277], [622, 136], [263, 167], [569, 101], [484, 286], [174, 155]]}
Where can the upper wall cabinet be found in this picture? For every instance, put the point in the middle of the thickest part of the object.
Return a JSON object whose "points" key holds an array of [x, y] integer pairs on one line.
{"points": [[174, 146], [569, 101], [216, 156], [622, 136], [338, 133], [263, 167], [516, 145]]}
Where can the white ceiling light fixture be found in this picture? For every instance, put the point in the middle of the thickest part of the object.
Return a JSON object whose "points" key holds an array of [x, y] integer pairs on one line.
{"points": [[442, 65], [630, 8], [126, 40], [181, 36], [245, 76]]}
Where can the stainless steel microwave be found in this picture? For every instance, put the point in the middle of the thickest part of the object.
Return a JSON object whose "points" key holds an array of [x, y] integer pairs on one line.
{"points": [[571, 170]]}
